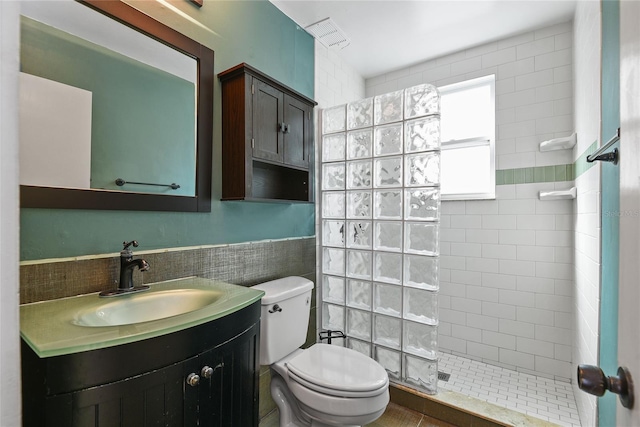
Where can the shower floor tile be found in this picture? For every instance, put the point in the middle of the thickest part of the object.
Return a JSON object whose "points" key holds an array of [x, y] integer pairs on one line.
{"points": [[543, 398]]}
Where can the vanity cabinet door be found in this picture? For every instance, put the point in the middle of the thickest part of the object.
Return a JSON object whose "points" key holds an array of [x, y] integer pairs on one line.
{"points": [[152, 399]]}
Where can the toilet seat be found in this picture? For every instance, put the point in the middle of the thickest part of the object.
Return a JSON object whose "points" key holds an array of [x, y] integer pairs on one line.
{"points": [[337, 371]]}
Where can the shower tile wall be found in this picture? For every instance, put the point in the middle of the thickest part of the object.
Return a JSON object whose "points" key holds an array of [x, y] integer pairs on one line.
{"points": [[506, 291], [380, 204]]}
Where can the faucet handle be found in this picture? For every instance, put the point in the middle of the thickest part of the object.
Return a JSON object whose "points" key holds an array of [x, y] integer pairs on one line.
{"points": [[126, 245]]}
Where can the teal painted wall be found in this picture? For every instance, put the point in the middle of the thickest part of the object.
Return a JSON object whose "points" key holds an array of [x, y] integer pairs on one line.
{"points": [[255, 32], [608, 350]]}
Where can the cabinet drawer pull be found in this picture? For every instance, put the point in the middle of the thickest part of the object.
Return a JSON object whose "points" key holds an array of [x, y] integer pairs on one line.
{"points": [[193, 379]]}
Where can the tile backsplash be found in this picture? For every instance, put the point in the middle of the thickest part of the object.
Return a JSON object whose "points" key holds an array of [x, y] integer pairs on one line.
{"points": [[243, 264]]}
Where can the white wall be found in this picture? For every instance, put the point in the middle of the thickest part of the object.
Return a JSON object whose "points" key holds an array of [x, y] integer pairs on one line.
{"points": [[10, 397], [506, 282], [587, 30]]}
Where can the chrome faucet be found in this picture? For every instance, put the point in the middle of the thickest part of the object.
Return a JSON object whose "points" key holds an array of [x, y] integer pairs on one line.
{"points": [[127, 265]]}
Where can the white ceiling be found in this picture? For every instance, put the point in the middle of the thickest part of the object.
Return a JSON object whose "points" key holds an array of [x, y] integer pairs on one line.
{"points": [[387, 35]]}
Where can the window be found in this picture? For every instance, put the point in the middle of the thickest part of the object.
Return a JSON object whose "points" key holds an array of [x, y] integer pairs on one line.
{"points": [[467, 133]]}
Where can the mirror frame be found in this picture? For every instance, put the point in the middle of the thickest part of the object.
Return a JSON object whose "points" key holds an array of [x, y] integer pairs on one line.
{"points": [[70, 198]]}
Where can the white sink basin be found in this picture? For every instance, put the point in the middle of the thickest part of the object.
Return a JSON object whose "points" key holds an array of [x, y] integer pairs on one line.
{"points": [[145, 307]]}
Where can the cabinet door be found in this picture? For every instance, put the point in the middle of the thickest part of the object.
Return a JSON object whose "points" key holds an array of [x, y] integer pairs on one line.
{"points": [[153, 399], [297, 117], [267, 122]]}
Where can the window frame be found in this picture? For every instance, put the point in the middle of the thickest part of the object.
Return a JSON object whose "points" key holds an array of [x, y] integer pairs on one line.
{"points": [[480, 140]]}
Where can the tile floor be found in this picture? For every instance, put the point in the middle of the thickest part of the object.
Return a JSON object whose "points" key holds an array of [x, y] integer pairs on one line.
{"points": [[394, 416], [543, 398]]}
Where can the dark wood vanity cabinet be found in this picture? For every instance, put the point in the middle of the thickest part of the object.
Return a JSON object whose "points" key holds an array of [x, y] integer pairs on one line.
{"points": [[151, 382], [267, 138]]}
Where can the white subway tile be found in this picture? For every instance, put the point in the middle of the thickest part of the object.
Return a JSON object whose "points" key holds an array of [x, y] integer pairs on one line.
{"points": [[517, 237], [501, 311], [466, 249], [452, 344], [499, 57], [452, 235], [500, 281], [491, 251], [563, 74], [466, 221], [519, 329], [452, 207], [481, 207], [483, 265], [499, 340], [521, 360], [466, 305], [553, 334], [437, 73], [515, 130], [518, 206], [553, 92], [504, 117], [560, 123], [448, 59], [536, 47], [534, 111], [516, 40], [452, 262], [554, 270], [517, 268], [564, 40], [564, 222], [506, 85], [517, 298], [445, 247], [554, 207], [517, 98], [482, 293], [564, 287], [483, 351], [499, 222], [562, 28], [554, 238], [563, 106], [517, 68], [466, 66], [481, 236], [564, 255], [537, 347], [557, 58], [453, 317], [534, 80], [514, 161], [466, 333], [466, 277], [563, 352], [504, 192], [536, 284], [552, 158], [536, 222], [554, 303], [481, 50], [537, 316], [553, 367], [536, 253]]}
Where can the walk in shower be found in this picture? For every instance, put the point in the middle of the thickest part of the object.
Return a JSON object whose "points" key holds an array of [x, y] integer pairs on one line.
{"points": [[380, 209]]}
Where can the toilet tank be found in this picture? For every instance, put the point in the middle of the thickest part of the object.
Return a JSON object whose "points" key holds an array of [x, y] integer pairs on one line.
{"points": [[285, 317]]}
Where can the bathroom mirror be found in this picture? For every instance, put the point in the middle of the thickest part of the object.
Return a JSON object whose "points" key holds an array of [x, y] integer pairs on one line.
{"points": [[159, 126]]}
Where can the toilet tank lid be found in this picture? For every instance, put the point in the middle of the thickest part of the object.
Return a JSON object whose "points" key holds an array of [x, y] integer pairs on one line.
{"points": [[282, 289]]}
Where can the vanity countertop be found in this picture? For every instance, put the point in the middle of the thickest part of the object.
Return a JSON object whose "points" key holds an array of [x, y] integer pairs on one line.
{"points": [[50, 330]]}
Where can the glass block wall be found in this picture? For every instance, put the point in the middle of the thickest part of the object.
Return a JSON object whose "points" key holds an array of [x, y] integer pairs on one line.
{"points": [[380, 210]]}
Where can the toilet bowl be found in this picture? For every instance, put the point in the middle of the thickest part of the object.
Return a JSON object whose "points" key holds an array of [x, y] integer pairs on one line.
{"points": [[323, 385]]}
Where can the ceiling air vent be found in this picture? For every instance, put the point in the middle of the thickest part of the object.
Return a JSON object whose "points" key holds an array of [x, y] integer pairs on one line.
{"points": [[328, 33]]}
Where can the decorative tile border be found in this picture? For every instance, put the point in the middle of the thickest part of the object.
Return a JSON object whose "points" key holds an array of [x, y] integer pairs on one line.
{"points": [[536, 174], [556, 173]]}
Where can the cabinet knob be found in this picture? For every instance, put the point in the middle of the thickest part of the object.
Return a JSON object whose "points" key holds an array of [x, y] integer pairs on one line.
{"points": [[193, 379], [206, 371]]}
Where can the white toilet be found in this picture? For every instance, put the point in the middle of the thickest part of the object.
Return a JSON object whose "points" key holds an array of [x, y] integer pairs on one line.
{"points": [[323, 385]]}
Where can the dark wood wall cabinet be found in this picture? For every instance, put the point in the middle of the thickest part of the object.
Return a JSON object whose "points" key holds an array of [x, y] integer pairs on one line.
{"points": [[206, 375], [267, 138]]}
